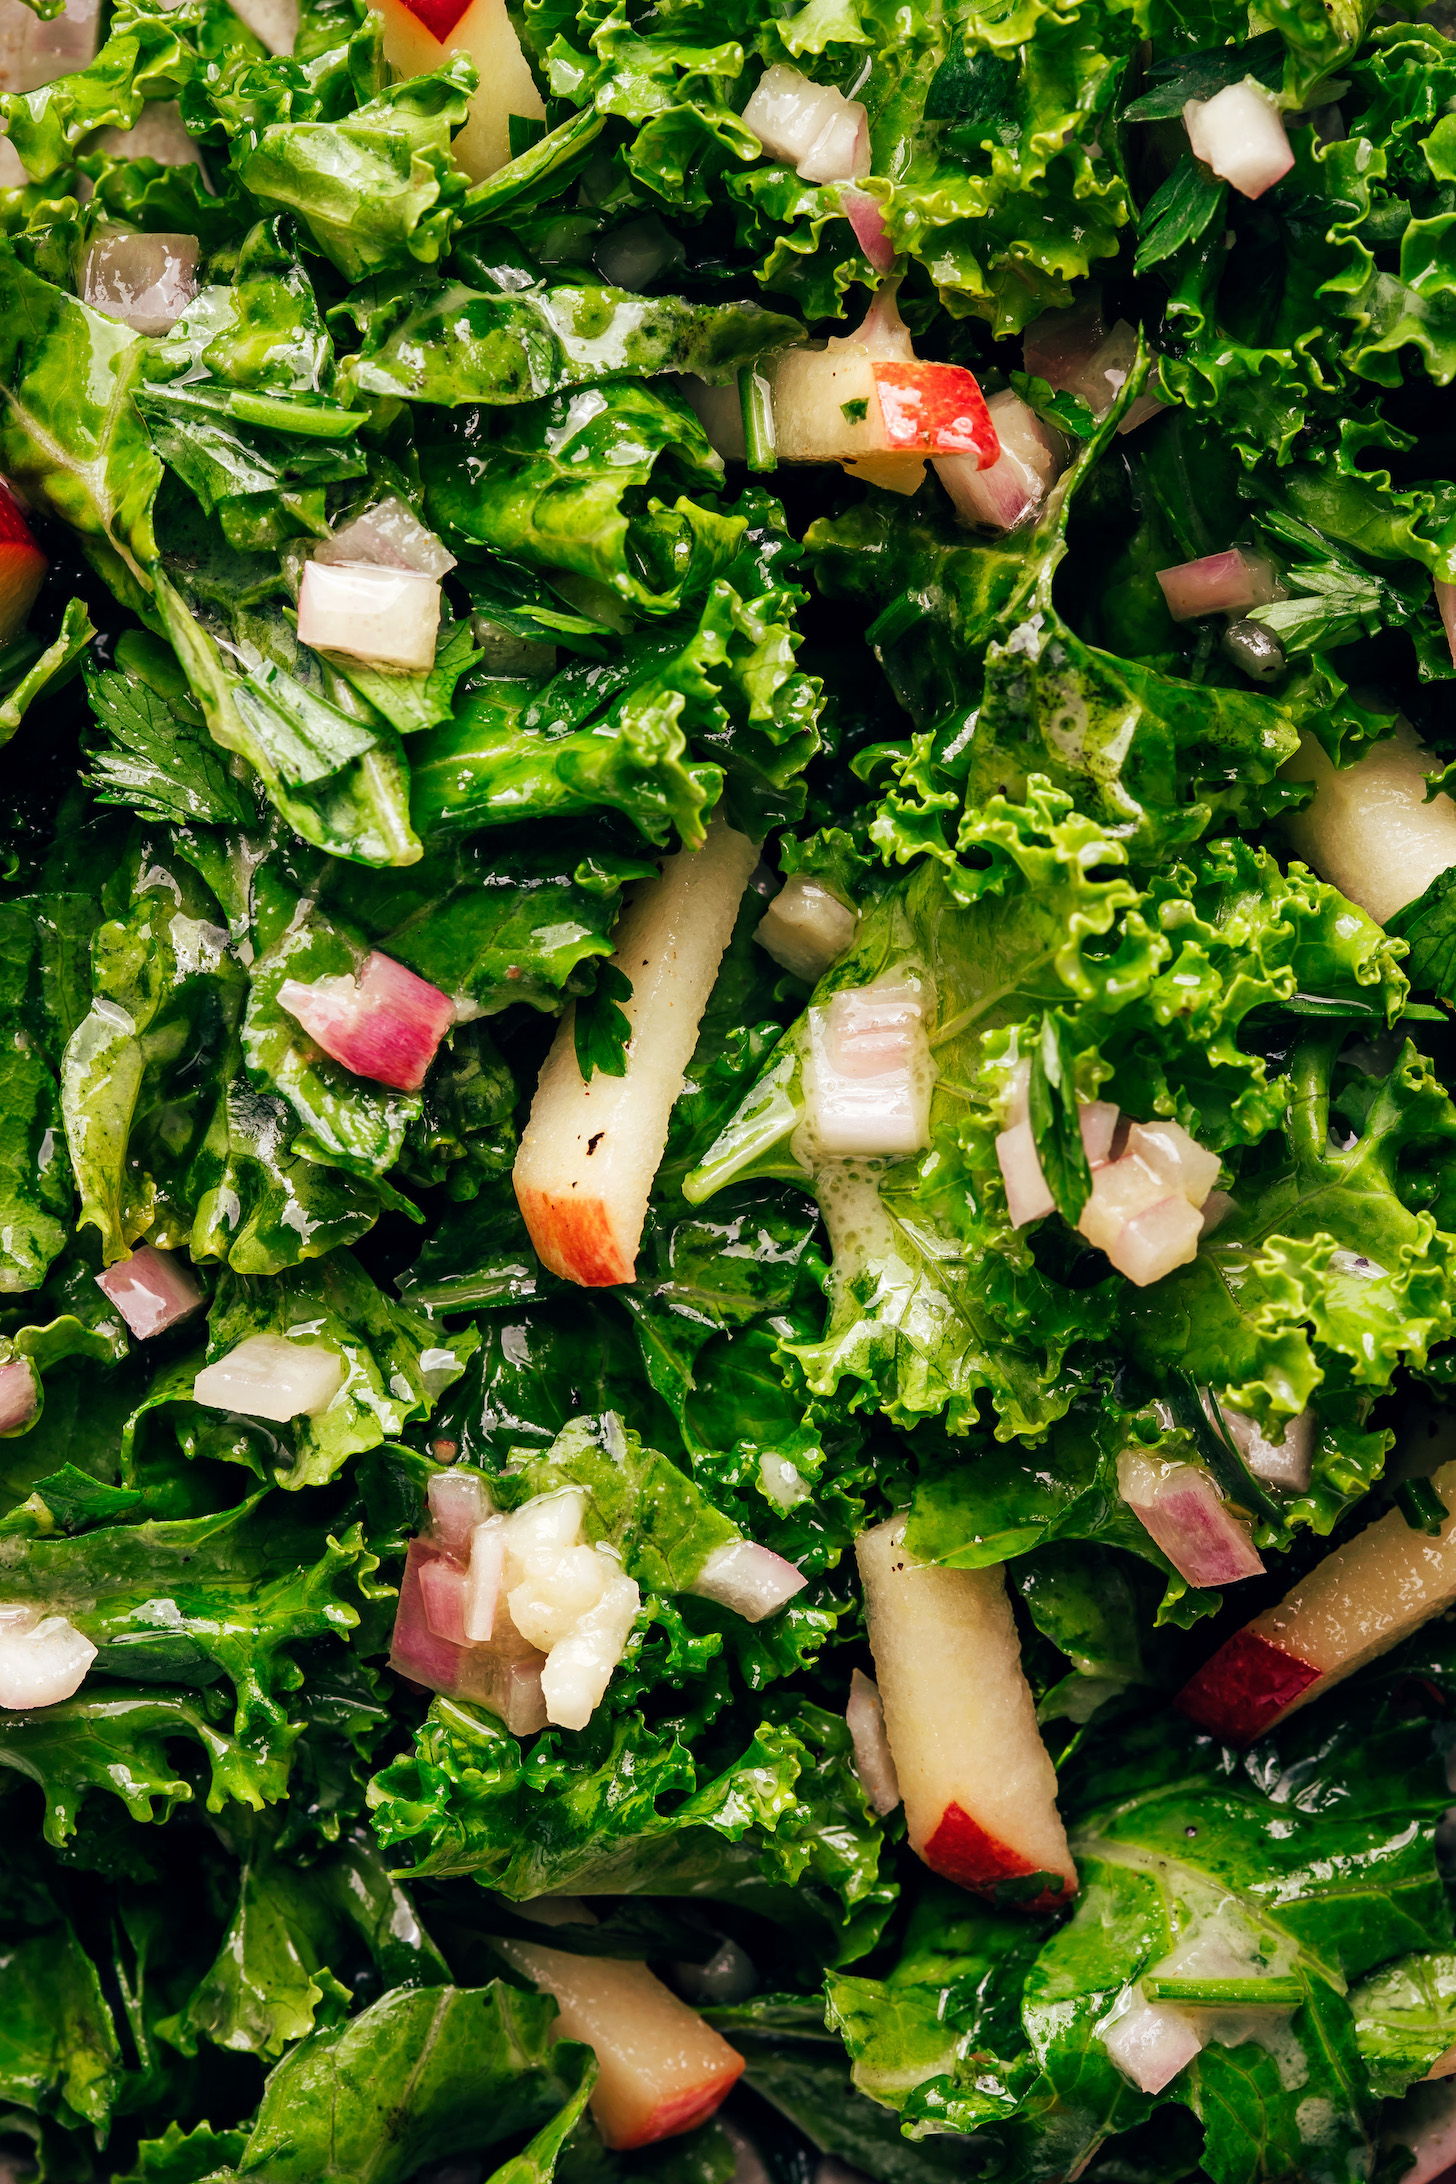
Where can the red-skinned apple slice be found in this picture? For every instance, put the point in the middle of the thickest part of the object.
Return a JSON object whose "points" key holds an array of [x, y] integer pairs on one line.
{"points": [[590, 1151], [662, 2071], [1356, 1604], [22, 567], [417, 39], [979, 1787]]}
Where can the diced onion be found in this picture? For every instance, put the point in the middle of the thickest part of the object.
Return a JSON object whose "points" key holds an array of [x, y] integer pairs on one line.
{"points": [[1446, 606], [508, 1685], [1027, 1196], [43, 1658], [1143, 1211], [1074, 354], [1240, 135], [19, 1394], [387, 536], [1180, 1508], [146, 281], [805, 928], [390, 617], [267, 1376], [1151, 2043], [459, 1500], [1176, 1159], [866, 215], [34, 53], [483, 1580], [1004, 494], [151, 1290], [579, 1666], [869, 1074], [874, 1762], [1254, 650], [386, 1025], [1228, 583], [1154, 1242], [1286, 1462], [1424, 2123], [751, 1580], [815, 128], [442, 1587]]}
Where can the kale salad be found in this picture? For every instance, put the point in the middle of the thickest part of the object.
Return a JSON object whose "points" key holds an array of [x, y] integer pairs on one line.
{"points": [[727, 1143]]}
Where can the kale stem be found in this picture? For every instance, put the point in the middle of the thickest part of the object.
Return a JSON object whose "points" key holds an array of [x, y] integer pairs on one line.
{"points": [[1421, 1506], [1309, 1109], [756, 402]]}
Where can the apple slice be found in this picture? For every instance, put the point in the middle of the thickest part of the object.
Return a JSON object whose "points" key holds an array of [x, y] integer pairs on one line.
{"points": [[417, 39], [1356, 1604], [1370, 831], [22, 567], [590, 1151], [662, 2071], [979, 1787]]}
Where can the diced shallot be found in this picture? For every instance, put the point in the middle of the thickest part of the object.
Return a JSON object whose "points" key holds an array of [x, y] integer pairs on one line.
{"points": [[1031, 460], [751, 1580], [1228, 583], [1027, 1196], [387, 536], [1286, 1462], [869, 1073], [386, 1024], [1075, 354], [390, 617], [1144, 1207], [269, 1376], [19, 1394], [866, 215], [1240, 134], [1181, 1510], [1446, 606], [34, 52], [1424, 2124], [1151, 2043], [874, 1762], [483, 1580], [805, 928], [442, 1588], [151, 1290], [823, 135], [22, 566], [43, 1658], [146, 281], [459, 1501], [507, 1686]]}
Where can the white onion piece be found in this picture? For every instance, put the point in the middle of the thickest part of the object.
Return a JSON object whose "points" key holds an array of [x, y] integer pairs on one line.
{"points": [[579, 1666], [43, 1659], [874, 1762], [146, 281], [33, 53], [19, 1394], [805, 928], [1178, 1160], [820, 132], [1027, 1196], [1156, 1241], [387, 536], [1180, 1508], [483, 1580], [751, 1580], [1228, 583], [509, 1687], [151, 1290], [866, 215], [386, 1025], [388, 616], [1075, 354], [1287, 1462], [1151, 2043], [1446, 604], [870, 1071], [1032, 458], [267, 1376], [1240, 135], [275, 22], [459, 1501]]}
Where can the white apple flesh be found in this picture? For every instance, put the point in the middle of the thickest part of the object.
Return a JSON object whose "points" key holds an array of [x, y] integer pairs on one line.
{"points": [[661, 2070], [418, 40], [1370, 831], [979, 1787], [590, 1151], [1356, 1604]]}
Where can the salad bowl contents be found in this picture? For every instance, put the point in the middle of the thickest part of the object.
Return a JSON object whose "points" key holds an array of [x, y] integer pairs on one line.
{"points": [[727, 1094]]}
